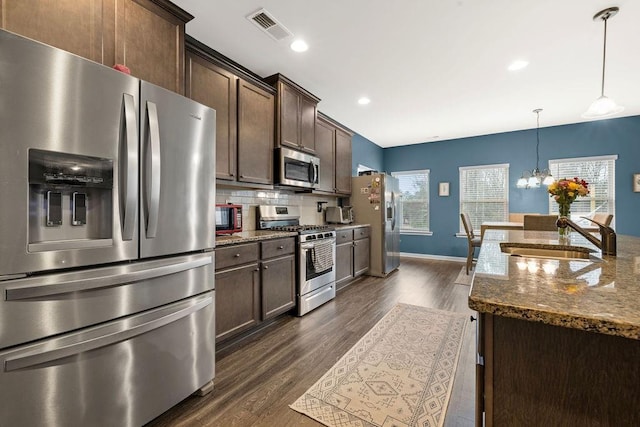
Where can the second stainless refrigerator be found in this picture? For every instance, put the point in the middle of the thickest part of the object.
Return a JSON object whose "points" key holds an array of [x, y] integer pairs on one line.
{"points": [[375, 202]]}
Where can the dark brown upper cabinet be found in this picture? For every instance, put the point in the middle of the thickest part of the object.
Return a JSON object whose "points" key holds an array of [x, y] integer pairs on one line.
{"points": [[343, 162], [255, 134], [244, 115], [333, 147], [296, 112], [145, 35], [215, 87], [326, 151]]}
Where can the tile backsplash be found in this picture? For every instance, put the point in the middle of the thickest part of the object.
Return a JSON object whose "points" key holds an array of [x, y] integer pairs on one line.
{"points": [[250, 199]]}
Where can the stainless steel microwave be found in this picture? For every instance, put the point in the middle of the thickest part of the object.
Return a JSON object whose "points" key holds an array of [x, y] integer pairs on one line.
{"points": [[296, 168]]}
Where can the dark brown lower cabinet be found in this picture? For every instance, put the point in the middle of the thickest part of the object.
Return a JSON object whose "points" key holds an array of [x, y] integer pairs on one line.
{"points": [[254, 282], [278, 286], [545, 375], [352, 255], [237, 300]]}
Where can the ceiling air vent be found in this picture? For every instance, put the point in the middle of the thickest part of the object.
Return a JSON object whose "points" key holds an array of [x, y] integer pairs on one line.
{"points": [[270, 25]]}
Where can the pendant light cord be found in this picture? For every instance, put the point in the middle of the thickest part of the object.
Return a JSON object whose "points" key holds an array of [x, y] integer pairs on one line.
{"points": [[604, 54], [537, 140]]}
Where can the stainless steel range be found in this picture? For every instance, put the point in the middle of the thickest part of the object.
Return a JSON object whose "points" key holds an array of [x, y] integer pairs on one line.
{"points": [[316, 255]]}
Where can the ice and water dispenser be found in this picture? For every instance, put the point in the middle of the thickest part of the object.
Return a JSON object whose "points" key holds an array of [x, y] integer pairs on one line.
{"points": [[70, 201]]}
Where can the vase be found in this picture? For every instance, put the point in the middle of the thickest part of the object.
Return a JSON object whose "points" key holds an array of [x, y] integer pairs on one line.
{"points": [[564, 211]]}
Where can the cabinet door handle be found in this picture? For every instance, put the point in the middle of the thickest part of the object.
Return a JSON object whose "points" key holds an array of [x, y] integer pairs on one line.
{"points": [[471, 318], [280, 247], [266, 267], [257, 269], [355, 243], [237, 255]]}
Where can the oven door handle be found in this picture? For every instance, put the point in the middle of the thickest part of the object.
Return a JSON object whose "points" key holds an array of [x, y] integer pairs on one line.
{"points": [[311, 245]]}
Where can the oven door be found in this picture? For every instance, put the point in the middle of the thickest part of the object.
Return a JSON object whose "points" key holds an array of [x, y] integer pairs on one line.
{"points": [[298, 169], [309, 278]]}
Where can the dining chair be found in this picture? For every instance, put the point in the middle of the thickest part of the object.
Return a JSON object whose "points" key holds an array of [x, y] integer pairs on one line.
{"points": [[519, 216], [603, 218], [473, 241], [540, 222]]}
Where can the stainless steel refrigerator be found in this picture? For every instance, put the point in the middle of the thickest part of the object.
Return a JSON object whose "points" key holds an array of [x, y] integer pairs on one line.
{"points": [[106, 242], [375, 201]]}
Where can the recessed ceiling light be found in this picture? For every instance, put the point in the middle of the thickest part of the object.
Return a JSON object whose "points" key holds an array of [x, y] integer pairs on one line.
{"points": [[364, 100], [517, 65], [299, 46]]}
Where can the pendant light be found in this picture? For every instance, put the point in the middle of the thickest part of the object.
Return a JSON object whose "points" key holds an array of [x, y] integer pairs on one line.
{"points": [[603, 106], [532, 179]]}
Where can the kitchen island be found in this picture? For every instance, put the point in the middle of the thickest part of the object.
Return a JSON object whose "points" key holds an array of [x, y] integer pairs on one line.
{"points": [[558, 339]]}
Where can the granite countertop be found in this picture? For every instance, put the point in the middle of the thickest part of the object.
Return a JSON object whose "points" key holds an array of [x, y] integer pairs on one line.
{"points": [[349, 226], [251, 236], [599, 294]]}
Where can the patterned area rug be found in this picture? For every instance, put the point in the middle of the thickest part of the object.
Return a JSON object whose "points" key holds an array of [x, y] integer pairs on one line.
{"points": [[464, 278], [399, 374]]}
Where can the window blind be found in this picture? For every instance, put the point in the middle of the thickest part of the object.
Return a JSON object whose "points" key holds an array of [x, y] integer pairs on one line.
{"points": [[484, 194], [600, 174], [414, 201]]}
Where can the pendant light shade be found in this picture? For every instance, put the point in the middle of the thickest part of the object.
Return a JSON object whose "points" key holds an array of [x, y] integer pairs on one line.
{"points": [[535, 177], [603, 106]]}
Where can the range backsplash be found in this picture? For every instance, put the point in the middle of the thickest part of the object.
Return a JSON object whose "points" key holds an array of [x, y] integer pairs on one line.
{"points": [[250, 199]]}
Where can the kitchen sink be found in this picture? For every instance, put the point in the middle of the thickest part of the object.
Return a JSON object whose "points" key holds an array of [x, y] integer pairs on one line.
{"points": [[546, 252]]}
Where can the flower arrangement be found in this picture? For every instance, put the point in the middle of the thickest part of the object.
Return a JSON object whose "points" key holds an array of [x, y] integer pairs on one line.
{"points": [[565, 191]]}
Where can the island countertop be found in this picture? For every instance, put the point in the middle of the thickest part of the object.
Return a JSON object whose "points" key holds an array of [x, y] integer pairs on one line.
{"points": [[598, 295]]}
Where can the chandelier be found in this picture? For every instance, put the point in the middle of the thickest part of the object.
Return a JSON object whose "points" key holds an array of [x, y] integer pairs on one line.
{"points": [[533, 178], [603, 106]]}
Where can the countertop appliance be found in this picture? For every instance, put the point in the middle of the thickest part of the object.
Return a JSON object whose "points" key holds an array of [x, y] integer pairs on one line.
{"points": [[375, 201], [228, 219], [296, 169], [339, 215], [106, 242], [315, 254]]}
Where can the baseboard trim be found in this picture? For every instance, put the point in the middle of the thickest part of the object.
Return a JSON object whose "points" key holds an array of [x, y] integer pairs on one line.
{"points": [[436, 257]]}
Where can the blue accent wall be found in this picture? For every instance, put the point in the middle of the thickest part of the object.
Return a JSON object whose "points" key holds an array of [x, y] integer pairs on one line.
{"points": [[365, 152], [619, 136]]}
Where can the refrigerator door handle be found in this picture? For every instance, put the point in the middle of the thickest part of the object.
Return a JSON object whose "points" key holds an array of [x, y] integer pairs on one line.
{"points": [[153, 176], [131, 167], [30, 359], [36, 290]]}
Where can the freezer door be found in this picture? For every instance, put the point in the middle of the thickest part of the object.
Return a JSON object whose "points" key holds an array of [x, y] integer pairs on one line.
{"points": [[68, 127], [177, 180], [43, 305], [121, 373]]}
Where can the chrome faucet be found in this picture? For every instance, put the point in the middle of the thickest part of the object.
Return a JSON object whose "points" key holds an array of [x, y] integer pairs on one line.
{"points": [[607, 242]]}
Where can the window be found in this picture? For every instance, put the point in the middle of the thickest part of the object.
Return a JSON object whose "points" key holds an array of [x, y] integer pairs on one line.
{"points": [[599, 172], [484, 193], [413, 206]]}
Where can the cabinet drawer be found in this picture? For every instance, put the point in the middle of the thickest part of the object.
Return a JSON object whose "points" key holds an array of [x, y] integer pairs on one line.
{"points": [[278, 247], [344, 236], [236, 255], [360, 233]]}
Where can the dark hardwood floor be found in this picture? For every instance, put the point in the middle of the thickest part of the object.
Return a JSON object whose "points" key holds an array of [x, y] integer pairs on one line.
{"points": [[258, 378]]}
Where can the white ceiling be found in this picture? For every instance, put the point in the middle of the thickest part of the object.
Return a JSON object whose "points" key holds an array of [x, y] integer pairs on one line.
{"points": [[437, 70]]}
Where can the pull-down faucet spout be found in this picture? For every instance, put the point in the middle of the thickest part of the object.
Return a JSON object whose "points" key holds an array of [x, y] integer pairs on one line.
{"points": [[607, 242]]}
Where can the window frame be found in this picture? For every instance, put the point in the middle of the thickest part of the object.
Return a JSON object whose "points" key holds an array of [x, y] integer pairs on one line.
{"points": [[611, 187], [505, 201], [427, 172]]}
